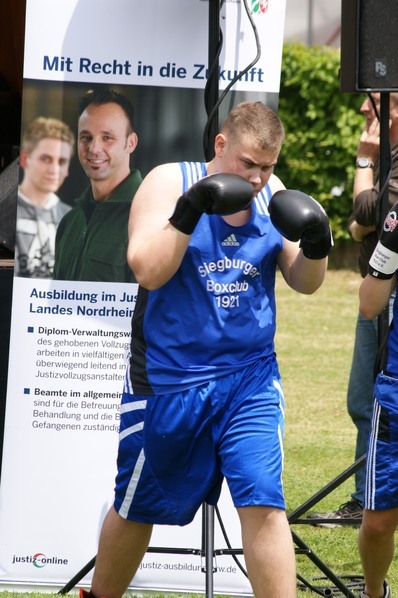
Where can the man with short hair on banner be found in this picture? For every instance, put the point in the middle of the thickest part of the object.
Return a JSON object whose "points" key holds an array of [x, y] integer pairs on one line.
{"points": [[91, 242]]}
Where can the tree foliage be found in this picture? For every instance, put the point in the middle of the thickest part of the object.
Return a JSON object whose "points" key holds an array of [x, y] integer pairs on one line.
{"points": [[322, 126]]}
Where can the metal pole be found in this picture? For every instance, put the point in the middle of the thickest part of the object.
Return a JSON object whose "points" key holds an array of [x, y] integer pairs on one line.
{"points": [[209, 548], [213, 87], [310, 23], [385, 165]]}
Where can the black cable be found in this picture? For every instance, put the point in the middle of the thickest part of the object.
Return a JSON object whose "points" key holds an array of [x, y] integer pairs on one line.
{"points": [[213, 112], [372, 101], [212, 73], [206, 141], [228, 543], [213, 67]]}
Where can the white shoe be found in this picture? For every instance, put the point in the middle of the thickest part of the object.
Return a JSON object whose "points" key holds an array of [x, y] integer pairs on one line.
{"points": [[387, 592]]}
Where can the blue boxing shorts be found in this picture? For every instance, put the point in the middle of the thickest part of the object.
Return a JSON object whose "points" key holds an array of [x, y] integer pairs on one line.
{"points": [[175, 449], [381, 488]]}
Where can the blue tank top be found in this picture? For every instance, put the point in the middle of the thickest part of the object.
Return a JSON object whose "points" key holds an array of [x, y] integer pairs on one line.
{"points": [[216, 315]]}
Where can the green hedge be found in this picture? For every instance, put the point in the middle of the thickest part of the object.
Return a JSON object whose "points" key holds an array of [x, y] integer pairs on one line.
{"points": [[323, 127]]}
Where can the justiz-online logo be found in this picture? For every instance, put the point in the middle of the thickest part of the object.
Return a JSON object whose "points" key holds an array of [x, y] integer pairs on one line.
{"points": [[39, 560]]}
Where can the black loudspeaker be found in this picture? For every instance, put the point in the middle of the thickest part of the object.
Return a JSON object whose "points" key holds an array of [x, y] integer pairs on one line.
{"points": [[369, 45]]}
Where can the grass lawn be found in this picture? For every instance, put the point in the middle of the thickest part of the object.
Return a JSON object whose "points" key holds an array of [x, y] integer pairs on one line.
{"points": [[314, 346]]}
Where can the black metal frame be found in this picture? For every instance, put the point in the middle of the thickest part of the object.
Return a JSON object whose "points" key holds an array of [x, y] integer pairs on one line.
{"points": [[208, 552]]}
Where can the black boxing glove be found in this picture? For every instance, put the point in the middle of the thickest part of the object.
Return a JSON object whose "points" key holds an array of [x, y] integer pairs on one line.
{"points": [[214, 194], [384, 261], [297, 216]]}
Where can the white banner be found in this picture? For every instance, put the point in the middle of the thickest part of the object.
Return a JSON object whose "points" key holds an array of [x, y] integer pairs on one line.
{"points": [[70, 340], [69, 347], [156, 43]]}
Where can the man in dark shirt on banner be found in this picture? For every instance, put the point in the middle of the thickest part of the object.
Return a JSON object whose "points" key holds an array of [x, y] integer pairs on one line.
{"points": [[92, 238]]}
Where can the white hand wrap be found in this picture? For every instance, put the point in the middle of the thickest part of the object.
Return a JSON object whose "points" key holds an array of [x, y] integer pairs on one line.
{"points": [[383, 263]]}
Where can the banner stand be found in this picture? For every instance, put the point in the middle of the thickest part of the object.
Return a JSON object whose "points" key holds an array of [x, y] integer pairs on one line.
{"points": [[207, 552]]}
